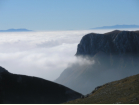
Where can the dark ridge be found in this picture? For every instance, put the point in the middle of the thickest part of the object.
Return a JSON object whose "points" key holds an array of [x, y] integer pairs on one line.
{"points": [[21, 89]]}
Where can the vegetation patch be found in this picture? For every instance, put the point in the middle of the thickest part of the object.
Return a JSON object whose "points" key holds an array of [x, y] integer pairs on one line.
{"points": [[125, 91]]}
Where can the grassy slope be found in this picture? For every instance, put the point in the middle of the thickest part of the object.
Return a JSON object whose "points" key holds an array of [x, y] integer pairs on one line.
{"points": [[125, 91]]}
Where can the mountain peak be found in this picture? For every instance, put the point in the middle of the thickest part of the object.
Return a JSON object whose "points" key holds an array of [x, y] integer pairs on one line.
{"points": [[113, 55], [111, 42]]}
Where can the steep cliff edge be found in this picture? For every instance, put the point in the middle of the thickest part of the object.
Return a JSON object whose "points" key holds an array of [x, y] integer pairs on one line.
{"points": [[115, 42], [21, 89], [112, 56]]}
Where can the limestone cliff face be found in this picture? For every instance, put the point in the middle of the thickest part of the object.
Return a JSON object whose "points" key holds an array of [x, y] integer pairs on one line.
{"points": [[115, 42], [116, 56]]}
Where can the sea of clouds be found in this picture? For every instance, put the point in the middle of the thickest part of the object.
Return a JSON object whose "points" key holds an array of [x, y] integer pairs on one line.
{"points": [[40, 54]]}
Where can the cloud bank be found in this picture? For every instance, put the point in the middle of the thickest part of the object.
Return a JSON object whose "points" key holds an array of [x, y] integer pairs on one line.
{"points": [[41, 54]]}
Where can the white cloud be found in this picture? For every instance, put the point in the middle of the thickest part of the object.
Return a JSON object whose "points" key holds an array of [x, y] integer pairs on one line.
{"points": [[41, 54]]}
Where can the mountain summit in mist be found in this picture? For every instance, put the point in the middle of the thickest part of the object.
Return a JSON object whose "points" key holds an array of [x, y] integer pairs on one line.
{"points": [[112, 56], [117, 27]]}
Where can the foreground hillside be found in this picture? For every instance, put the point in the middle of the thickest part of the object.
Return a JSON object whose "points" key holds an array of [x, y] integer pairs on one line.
{"points": [[21, 89], [125, 91]]}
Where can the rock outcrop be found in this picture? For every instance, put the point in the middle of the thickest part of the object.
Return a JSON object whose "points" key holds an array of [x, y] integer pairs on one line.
{"points": [[115, 56], [21, 89], [115, 42]]}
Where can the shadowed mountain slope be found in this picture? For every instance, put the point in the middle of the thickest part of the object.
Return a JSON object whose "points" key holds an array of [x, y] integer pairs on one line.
{"points": [[112, 56], [21, 89], [125, 91]]}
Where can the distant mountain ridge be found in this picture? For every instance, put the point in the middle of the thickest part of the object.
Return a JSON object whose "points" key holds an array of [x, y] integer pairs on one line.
{"points": [[16, 30], [117, 27]]}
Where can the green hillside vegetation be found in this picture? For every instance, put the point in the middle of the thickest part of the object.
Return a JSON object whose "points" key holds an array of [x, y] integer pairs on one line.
{"points": [[125, 91]]}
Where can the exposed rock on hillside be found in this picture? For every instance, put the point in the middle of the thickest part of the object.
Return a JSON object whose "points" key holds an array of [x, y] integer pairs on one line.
{"points": [[21, 89]]}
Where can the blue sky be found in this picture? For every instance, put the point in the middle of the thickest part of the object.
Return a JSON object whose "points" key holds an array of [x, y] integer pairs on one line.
{"points": [[47, 15]]}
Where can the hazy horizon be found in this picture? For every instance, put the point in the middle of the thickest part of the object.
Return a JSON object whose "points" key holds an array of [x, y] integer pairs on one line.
{"points": [[113, 27]]}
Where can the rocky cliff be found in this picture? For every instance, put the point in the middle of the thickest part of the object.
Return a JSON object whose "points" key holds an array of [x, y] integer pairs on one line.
{"points": [[112, 56], [115, 42], [21, 89]]}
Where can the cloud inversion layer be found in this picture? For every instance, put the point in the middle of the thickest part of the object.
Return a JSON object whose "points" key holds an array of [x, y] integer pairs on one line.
{"points": [[41, 54]]}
